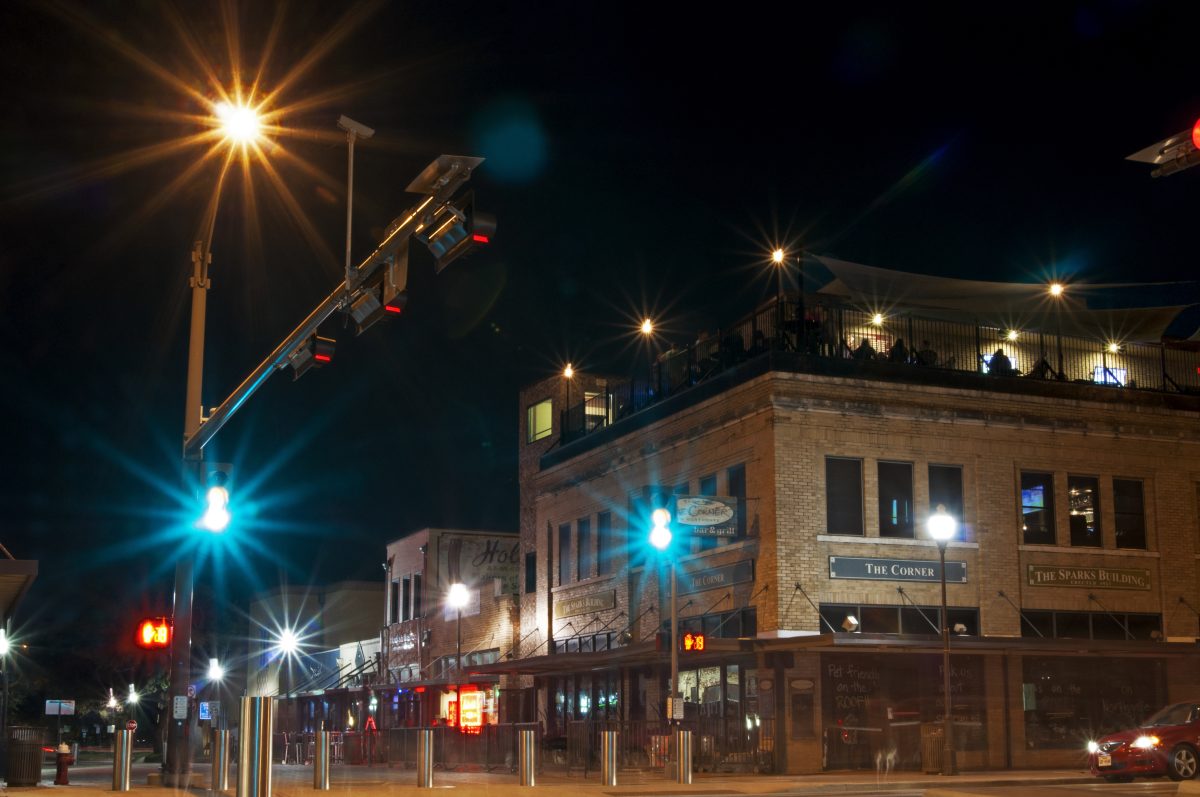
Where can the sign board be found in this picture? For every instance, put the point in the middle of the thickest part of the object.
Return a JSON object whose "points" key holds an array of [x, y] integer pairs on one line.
{"points": [[869, 569], [585, 604], [205, 713], [179, 707], [1091, 577], [707, 515], [191, 692], [675, 708], [716, 577], [474, 559], [60, 708], [131, 725]]}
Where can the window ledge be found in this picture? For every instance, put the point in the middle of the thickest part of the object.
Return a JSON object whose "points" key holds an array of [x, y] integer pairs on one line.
{"points": [[854, 539], [1078, 549]]}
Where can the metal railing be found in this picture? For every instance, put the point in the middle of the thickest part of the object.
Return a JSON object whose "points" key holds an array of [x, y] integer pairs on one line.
{"points": [[719, 744], [493, 748], [829, 331]]}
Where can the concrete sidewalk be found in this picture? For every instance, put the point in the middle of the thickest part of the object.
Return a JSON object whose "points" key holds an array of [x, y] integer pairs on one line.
{"points": [[296, 781]]}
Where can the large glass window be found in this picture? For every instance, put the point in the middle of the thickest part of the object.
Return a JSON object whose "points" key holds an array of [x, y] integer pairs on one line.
{"points": [[564, 554], [1037, 508], [539, 420], [604, 544], [1130, 513], [584, 544], [895, 499], [1068, 700], [1083, 497], [843, 496], [946, 489], [1091, 625]]}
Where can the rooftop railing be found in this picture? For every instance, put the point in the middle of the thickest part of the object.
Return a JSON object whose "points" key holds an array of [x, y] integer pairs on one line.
{"points": [[824, 330]]}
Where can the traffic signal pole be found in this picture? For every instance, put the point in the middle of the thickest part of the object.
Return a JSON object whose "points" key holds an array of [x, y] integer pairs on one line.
{"points": [[437, 183]]}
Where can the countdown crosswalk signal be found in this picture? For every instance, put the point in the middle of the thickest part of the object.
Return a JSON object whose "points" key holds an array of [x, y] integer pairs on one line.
{"points": [[692, 643], [154, 633]]}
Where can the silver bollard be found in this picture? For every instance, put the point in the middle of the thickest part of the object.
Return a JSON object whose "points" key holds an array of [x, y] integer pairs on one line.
{"points": [[122, 759], [254, 757], [683, 744], [425, 758], [527, 756], [608, 758], [220, 761], [321, 762]]}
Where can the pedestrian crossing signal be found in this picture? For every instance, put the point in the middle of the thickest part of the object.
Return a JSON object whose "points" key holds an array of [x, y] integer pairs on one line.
{"points": [[154, 633], [692, 642]]}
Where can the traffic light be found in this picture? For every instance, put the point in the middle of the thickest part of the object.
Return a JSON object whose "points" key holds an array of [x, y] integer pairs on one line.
{"points": [[154, 633], [314, 353], [458, 230], [692, 643], [386, 293], [216, 515]]}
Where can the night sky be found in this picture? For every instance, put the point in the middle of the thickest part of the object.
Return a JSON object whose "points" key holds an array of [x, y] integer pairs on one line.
{"points": [[641, 160]]}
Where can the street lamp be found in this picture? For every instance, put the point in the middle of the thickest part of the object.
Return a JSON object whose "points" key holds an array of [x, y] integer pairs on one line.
{"points": [[568, 374], [5, 647], [1056, 292], [456, 599], [942, 527]]}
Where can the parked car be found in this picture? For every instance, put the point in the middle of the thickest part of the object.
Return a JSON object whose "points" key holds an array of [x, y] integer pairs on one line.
{"points": [[1165, 744]]}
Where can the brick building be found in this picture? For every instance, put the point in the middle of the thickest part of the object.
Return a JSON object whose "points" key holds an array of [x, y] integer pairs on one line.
{"points": [[1072, 465]]}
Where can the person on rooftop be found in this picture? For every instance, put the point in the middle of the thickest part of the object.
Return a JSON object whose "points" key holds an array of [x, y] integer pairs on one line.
{"points": [[1000, 365]]}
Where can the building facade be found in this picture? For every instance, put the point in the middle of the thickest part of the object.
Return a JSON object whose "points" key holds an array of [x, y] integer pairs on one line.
{"points": [[809, 581]]}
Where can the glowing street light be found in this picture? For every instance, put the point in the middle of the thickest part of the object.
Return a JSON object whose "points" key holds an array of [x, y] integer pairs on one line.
{"points": [[942, 527], [239, 123], [877, 319], [112, 700], [133, 697], [215, 671], [1012, 335], [647, 327], [1056, 288], [660, 538], [287, 642]]}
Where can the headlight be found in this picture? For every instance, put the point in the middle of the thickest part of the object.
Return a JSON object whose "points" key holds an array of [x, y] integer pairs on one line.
{"points": [[1092, 747], [1146, 742]]}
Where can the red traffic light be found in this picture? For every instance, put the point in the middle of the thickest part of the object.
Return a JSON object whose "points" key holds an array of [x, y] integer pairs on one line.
{"points": [[154, 633], [692, 642]]}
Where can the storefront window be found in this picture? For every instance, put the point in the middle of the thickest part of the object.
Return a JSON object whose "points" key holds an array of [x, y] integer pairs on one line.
{"points": [[1071, 700], [873, 708]]}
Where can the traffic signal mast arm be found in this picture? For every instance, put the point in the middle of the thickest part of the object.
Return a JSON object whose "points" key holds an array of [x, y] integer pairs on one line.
{"points": [[438, 182]]}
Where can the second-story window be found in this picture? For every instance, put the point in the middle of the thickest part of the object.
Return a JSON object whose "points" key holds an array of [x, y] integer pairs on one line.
{"points": [[895, 499], [1037, 508], [737, 489], [1130, 513], [564, 554], [530, 572], [843, 496], [584, 544], [1083, 497], [946, 490], [605, 550]]}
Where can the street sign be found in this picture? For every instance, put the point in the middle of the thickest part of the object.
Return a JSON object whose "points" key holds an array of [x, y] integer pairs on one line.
{"points": [[60, 708], [209, 709], [131, 725], [191, 691], [179, 707]]}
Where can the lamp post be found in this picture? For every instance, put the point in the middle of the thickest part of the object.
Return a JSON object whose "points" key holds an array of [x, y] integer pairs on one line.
{"points": [[241, 126], [647, 330], [777, 257], [942, 527], [457, 598], [568, 374], [1056, 291]]}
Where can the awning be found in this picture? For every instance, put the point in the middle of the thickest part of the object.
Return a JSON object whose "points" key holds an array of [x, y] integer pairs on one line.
{"points": [[1006, 305], [16, 576]]}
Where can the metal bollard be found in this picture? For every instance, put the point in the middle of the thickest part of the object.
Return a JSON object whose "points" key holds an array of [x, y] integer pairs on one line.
{"points": [[220, 761], [527, 756], [608, 758], [254, 756], [321, 762], [425, 758], [122, 759], [683, 744]]}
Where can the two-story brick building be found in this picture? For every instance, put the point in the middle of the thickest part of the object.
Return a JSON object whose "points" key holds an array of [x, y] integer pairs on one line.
{"points": [[1073, 471]]}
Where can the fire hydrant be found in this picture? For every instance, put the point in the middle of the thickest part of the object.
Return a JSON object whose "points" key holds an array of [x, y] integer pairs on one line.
{"points": [[63, 759]]}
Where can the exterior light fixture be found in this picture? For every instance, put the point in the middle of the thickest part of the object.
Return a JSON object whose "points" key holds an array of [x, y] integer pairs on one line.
{"points": [[239, 123], [287, 642], [647, 327], [1012, 334], [1056, 288], [877, 319], [1114, 348], [942, 527], [851, 624], [777, 257], [568, 372], [215, 671]]}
